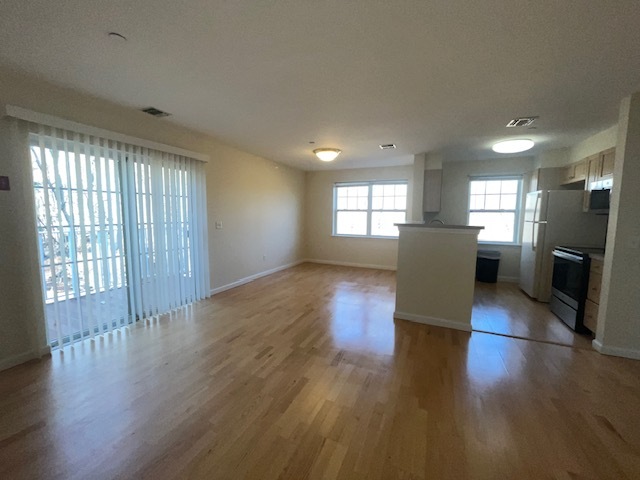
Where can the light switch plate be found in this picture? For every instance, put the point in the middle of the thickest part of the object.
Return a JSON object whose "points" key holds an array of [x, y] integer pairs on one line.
{"points": [[218, 225]]}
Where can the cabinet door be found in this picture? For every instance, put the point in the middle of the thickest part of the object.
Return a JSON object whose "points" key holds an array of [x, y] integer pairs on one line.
{"points": [[608, 161], [569, 173], [595, 168], [580, 171], [595, 282], [597, 266], [590, 316]]}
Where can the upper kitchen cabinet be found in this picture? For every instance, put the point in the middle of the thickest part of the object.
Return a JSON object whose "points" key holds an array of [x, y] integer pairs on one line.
{"points": [[608, 161], [546, 178], [600, 167], [432, 191], [594, 163], [575, 172]]}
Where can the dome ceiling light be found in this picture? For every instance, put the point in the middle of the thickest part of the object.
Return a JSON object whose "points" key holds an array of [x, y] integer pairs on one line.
{"points": [[513, 146], [327, 154]]}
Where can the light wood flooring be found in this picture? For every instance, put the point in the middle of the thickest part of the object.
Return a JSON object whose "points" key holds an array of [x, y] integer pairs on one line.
{"points": [[503, 308], [304, 374]]}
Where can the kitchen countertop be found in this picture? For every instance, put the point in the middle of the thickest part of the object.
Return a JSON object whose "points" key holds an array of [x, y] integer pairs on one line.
{"points": [[439, 226]]}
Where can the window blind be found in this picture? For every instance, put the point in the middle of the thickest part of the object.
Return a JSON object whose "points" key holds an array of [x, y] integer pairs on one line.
{"points": [[122, 232]]}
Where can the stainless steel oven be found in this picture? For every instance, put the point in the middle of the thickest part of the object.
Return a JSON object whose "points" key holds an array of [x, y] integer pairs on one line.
{"points": [[569, 285]]}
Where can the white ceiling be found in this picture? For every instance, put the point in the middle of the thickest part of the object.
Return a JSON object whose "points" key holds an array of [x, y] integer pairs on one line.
{"points": [[269, 76]]}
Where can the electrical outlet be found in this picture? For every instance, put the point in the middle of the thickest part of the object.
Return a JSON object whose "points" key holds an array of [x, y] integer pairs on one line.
{"points": [[218, 225]]}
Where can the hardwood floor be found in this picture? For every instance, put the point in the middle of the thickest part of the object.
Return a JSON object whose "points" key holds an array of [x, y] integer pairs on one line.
{"points": [[304, 374], [502, 308]]}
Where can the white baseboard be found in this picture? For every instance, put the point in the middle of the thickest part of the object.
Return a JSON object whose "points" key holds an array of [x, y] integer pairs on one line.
{"points": [[351, 264], [616, 351], [436, 322], [24, 357], [251, 278], [502, 278]]}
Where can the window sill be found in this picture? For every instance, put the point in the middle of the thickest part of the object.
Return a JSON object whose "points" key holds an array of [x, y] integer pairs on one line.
{"points": [[364, 236]]}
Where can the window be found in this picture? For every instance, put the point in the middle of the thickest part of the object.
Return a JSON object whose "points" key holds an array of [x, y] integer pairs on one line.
{"points": [[369, 209], [494, 204]]}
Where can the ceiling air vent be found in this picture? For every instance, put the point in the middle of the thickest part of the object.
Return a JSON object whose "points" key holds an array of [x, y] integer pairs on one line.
{"points": [[521, 122], [387, 146], [155, 112]]}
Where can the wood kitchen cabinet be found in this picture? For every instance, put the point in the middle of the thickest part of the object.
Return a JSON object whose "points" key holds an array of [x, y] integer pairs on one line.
{"points": [[432, 191], [592, 304], [608, 160], [594, 169], [575, 172], [546, 179], [600, 167]]}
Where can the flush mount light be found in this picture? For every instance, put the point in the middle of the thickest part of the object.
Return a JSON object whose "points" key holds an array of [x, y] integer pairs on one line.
{"points": [[513, 146], [327, 154]]}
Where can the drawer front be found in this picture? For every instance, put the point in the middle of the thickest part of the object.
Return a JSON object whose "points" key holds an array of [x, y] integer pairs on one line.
{"points": [[596, 266], [595, 282], [590, 316]]}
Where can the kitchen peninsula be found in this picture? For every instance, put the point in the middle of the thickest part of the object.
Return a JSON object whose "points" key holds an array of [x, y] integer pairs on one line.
{"points": [[436, 274]]}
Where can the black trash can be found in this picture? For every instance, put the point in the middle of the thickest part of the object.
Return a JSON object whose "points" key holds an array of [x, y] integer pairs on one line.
{"points": [[487, 266]]}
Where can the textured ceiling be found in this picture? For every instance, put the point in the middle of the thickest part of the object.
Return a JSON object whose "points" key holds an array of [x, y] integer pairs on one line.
{"points": [[270, 76]]}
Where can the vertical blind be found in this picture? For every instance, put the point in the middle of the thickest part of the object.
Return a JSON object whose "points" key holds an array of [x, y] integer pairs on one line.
{"points": [[122, 232]]}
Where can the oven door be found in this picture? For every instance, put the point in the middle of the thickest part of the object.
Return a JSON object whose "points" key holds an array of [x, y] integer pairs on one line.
{"points": [[568, 277]]}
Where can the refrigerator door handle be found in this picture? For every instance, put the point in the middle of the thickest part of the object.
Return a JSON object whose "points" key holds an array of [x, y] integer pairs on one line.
{"points": [[535, 208], [534, 234]]}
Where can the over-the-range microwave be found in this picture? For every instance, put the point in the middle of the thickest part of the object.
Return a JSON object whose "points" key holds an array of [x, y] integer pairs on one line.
{"points": [[599, 200]]}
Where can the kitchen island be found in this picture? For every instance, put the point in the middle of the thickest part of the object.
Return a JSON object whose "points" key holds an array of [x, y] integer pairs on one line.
{"points": [[436, 274]]}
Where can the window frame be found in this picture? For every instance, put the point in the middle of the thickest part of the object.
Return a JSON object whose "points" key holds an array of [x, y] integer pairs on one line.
{"points": [[517, 221], [370, 210]]}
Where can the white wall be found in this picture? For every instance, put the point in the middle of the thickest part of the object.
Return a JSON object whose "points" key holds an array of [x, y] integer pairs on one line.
{"points": [[553, 158], [596, 143], [321, 245], [259, 202], [618, 331], [455, 200]]}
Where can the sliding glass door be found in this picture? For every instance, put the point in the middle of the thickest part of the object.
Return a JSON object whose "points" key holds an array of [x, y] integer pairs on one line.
{"points": [[119, 228]]}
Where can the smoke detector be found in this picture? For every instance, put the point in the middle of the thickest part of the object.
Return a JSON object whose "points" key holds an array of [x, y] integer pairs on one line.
{"points": [[387, 146], [155, 112], [521, 122]]}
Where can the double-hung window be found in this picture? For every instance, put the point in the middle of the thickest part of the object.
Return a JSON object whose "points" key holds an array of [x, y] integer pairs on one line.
{"points": [[369, 209], [494, 203]]}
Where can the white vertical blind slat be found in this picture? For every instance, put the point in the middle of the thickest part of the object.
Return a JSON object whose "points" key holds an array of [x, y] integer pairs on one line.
{"points": [[62, 239], [83, 236], [173, 279], [73, 250], [131, 238], [184, 256], [49, 233]]}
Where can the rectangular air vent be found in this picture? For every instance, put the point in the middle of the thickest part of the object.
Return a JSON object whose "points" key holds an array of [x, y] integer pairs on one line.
{"points": [[155, 112], [521, 122], [387, 146]]}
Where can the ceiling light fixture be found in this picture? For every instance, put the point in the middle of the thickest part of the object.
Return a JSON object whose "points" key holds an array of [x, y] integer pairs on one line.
{"points": [[327, 154], [513, 146]]}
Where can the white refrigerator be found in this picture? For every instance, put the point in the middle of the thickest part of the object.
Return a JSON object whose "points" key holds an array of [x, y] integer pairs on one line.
{"points": [[552, 218]]}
